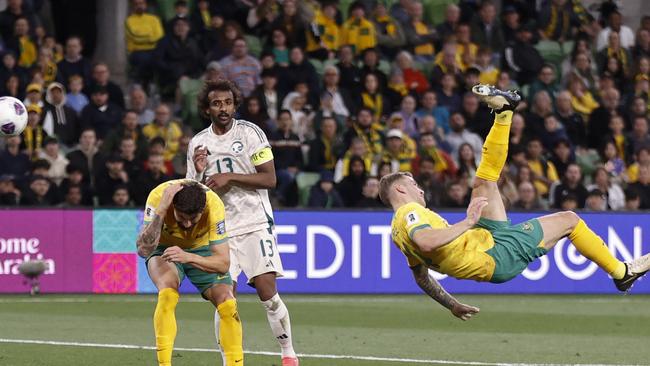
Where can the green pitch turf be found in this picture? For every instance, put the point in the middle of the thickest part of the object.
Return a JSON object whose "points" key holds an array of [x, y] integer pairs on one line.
{"points": [[510, 329]]}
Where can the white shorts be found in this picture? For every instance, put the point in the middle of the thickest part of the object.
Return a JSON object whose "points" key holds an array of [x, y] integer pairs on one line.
{"points": [[254, 253]]}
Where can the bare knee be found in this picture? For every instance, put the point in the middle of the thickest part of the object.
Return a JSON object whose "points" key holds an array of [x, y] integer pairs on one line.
{"points": [[265, 286], [480, 182], [219, 294], [165, 283], [570, 219]]}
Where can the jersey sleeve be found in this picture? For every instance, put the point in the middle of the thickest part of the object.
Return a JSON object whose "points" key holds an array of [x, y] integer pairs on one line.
{"points": [[259, 147], [216, 219], [153, 200], [414, 220], [411, 260]]}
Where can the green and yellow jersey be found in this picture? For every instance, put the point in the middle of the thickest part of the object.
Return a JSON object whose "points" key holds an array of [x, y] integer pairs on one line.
{"points": [[211, 228], [463, 258]]}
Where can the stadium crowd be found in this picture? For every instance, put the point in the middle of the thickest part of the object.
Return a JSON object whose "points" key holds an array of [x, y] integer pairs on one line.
{"points": [[346, 92]]}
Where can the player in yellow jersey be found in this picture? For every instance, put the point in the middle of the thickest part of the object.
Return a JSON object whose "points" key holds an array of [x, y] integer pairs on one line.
{"points": [[485, 246], [184, 234]]}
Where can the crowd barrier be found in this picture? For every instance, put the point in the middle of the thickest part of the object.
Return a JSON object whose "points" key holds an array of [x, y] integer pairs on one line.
{"points": [[93, 251]]}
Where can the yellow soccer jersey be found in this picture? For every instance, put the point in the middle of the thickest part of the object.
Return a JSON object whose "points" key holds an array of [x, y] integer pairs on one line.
{"points": [[463, 258], [211, 228]]}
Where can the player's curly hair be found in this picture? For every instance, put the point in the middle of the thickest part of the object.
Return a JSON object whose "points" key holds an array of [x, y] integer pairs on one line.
{"points": [[220, 85], [190, 199]]}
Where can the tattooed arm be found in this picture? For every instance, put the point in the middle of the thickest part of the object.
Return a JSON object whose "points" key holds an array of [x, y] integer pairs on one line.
{"points": [[149, 237], [431, 287]]}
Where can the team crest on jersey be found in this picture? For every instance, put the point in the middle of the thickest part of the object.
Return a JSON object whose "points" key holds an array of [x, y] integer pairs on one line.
{"points": [[527, 227], [237, 147]]}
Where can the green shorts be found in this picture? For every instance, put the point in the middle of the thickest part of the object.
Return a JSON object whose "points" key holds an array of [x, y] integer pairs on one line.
{"points": [[200, 279], [515, 246]]}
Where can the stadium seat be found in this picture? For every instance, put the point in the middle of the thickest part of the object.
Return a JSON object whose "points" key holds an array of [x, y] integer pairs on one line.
{"points": [[434, 10], [189, 89], [384, 66], [344, 5], [318, 65], [524, 91], [254, 45], [166, 8], [554, 52], [305, 181]]}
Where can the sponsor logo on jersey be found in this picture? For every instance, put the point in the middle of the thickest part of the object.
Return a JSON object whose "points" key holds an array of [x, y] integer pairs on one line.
{"points": [[221, 227], [237, 147], [527, 226]]}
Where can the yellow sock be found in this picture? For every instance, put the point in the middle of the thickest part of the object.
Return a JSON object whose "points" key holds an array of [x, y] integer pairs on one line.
{"points": [[230, 333], [593, 247], [164, 325], [495, 148]]}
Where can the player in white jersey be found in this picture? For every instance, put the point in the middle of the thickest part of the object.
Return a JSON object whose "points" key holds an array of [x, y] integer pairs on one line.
{"points": [[233, 157]]}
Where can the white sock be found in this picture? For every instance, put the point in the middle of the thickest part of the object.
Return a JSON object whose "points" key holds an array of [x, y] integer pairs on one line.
{"points": [[278, 317], [216, 334]]}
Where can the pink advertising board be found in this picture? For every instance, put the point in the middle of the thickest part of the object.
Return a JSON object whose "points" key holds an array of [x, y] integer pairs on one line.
{"points": [[61, 238]]}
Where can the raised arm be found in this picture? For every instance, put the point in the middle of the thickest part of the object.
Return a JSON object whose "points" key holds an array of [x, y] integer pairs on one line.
{"points": [[431, 287], [429, 239], [150, 235]]}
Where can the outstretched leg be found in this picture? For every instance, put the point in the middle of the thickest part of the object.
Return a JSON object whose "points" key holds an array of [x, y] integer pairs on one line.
{"points": [[569, 224], [495, 151]]}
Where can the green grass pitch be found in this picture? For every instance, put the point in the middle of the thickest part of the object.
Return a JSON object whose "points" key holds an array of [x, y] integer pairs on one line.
{"points": [[397, 330]]}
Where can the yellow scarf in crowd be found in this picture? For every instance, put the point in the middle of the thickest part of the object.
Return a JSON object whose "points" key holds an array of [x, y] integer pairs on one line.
{"points": [[374, 102], [33, 140]]}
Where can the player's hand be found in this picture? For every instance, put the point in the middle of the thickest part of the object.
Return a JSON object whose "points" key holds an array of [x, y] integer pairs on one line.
{"points": [[464, 312], [219, 182], [176, 255], [167, 198], [200, 159], [474, 209]]}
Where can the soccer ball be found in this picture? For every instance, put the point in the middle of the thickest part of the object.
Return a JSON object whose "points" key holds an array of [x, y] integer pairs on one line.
{"points": [[13, 116]]}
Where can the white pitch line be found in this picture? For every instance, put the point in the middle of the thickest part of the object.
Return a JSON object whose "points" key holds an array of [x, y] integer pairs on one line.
{"points": [[303, 355]]}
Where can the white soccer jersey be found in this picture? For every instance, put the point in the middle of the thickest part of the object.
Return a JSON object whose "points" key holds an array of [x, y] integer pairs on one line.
{"points": [[246, 210]]}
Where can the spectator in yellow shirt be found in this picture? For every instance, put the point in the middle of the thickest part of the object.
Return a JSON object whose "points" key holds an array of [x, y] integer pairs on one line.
{"points": [[162, 126], [642, 159], [581, 99], [22, 44], [143, 30], [544, 172], [358, 31], [489, 73], [323, 33], [419, 36], [397, 153]]}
